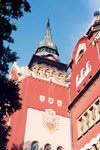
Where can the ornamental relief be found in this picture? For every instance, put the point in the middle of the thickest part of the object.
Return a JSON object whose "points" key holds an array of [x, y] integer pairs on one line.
{"points": [[96, 38], [89, 118], [51, 100], [43, 72], [50, 120]]}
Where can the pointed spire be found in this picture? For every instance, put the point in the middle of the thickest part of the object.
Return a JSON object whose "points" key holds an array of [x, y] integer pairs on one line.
{"points": [[47, 36], [47, 47]]}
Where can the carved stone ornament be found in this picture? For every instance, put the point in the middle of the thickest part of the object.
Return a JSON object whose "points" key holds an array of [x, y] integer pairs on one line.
{"points": [[41, 72]]}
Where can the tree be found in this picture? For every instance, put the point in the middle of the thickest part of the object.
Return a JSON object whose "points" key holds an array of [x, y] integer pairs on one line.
{"points": [[10, 100]]}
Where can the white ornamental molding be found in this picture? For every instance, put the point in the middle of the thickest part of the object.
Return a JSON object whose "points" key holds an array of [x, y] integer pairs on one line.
{"points": [[91, 143], [24, 72], [83, 73], [96, 38]]}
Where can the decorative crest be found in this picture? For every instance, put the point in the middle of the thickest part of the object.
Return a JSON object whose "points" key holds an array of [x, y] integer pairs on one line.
{"points": [[50, 120]]}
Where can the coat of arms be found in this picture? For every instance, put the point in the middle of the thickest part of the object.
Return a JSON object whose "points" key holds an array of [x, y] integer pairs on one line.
{"points": [[50, 119]]}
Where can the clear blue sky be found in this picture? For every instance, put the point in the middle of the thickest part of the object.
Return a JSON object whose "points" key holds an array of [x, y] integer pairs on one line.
{"points": [[69, 19]]}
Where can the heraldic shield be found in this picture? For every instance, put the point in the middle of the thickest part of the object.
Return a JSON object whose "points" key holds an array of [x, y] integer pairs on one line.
{"points": [[50, 119]]}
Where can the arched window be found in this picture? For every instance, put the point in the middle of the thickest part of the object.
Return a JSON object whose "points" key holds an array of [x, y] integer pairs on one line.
{"points": [[60, 148], [47, 73], [88, 67], [40, 71], [82, 73], [77, 80], [60, 77], [35, 145], [47, 147], [27, 145], [80, 54]]}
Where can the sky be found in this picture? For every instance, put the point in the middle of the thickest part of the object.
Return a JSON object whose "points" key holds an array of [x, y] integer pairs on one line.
{"points": [[69, 20]]}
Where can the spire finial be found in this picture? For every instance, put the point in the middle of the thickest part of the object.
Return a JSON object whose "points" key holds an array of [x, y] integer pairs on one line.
{"points": [[96, 13], [48, 24]]}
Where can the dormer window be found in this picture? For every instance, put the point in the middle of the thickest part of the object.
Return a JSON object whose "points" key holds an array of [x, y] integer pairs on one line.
{"points": [[80, 52]]}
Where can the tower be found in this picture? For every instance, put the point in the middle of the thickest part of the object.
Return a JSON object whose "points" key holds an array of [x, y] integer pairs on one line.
{"points": [[43, 122], [85, 89]]}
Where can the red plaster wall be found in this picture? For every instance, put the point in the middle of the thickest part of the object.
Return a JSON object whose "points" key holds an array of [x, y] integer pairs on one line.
{"points": [[90, 54], [90, 95], [87, 100], [30, 89]]}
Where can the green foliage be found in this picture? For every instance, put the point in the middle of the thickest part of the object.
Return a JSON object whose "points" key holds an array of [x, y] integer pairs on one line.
{"points": [[10, 100]]}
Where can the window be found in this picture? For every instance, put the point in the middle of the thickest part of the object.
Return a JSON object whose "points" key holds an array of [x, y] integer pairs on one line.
{"points": [[77, 80], [80, 54], [60, 148], [88, 67], [40, 71], [81, 124], [98, 106], [35, 145], [94, 147], [89, 118], [82, 73], [98, 145], [47, 73], [92, 109], [54, 75], [47, 147], [27, 145]]}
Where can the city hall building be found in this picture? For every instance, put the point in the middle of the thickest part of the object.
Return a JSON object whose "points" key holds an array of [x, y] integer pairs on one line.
{"points": [[60, 110]]}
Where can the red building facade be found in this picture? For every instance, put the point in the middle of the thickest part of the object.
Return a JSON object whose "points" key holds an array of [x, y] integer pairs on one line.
{"points": [[43, 122], [60, 111], [85, 90]]}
